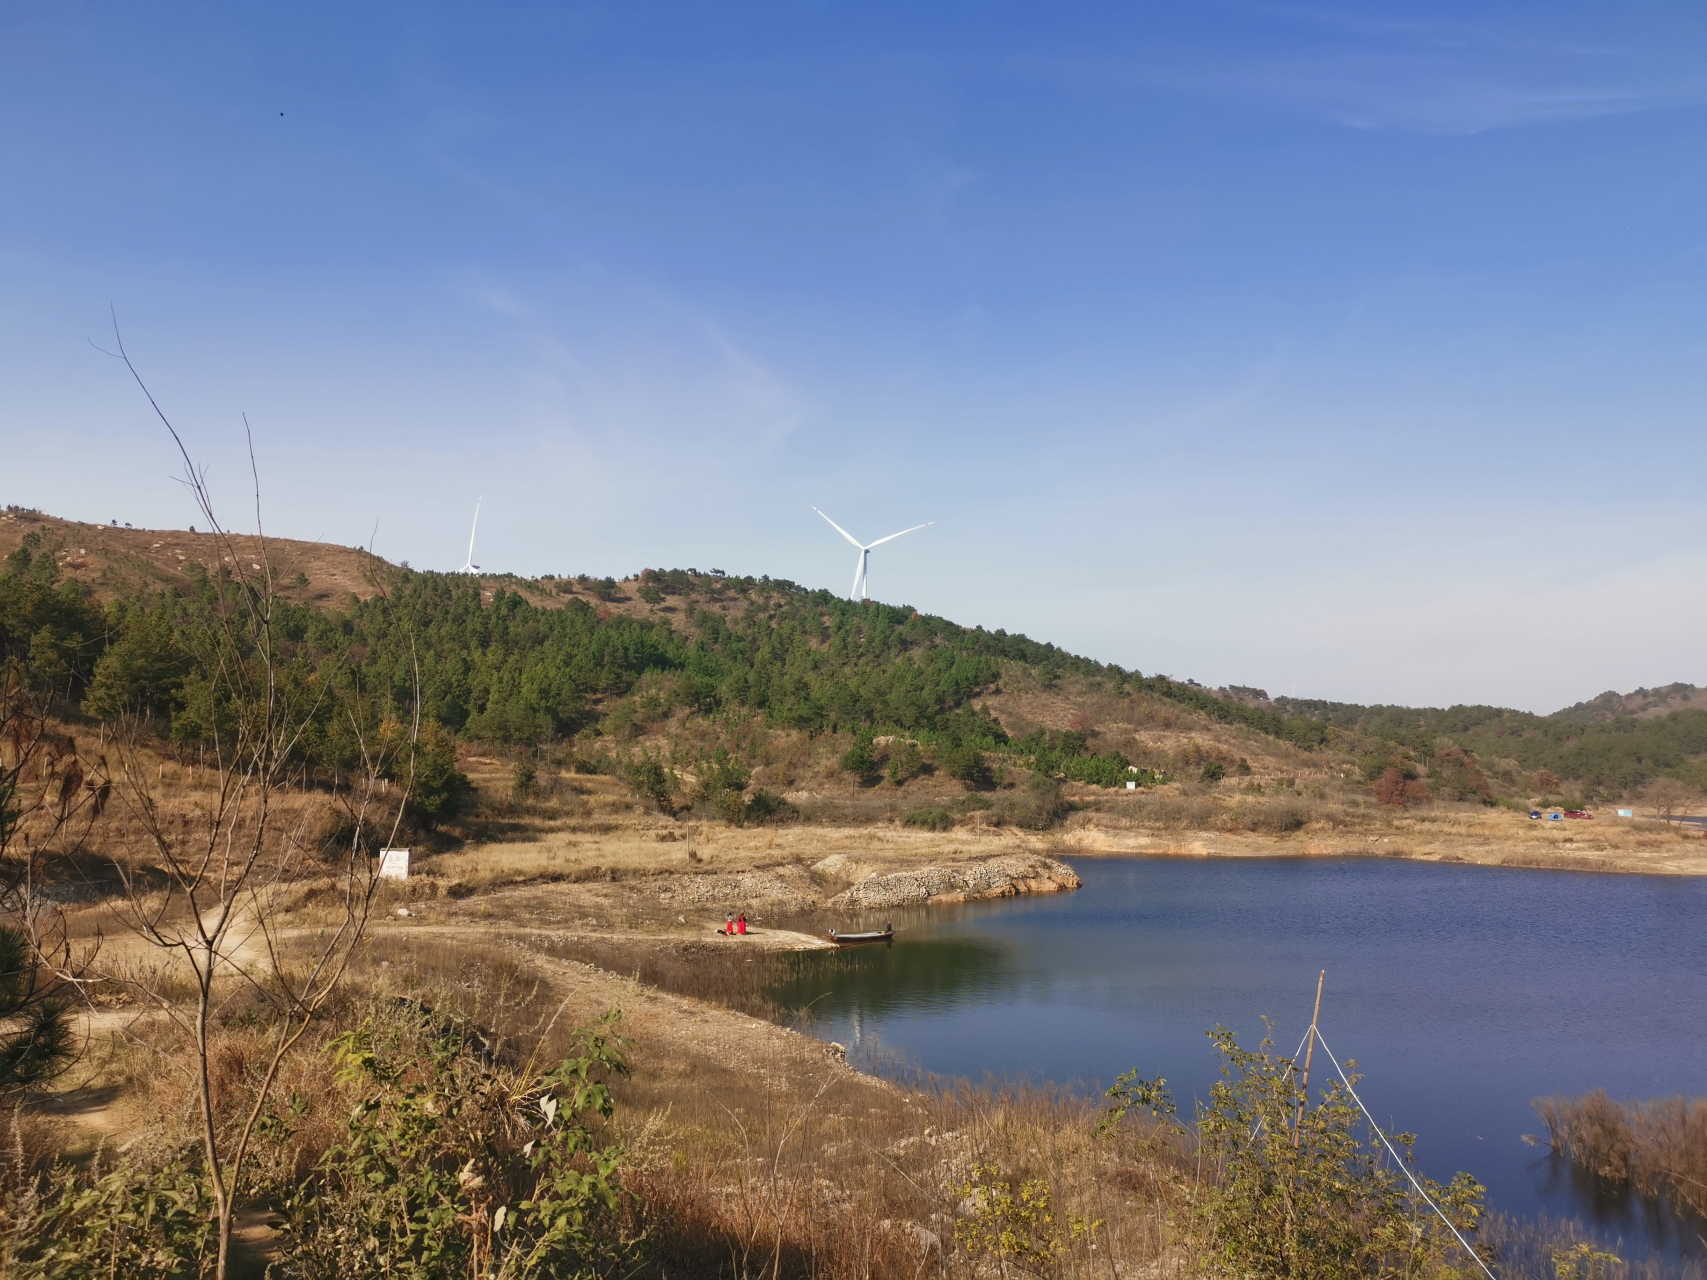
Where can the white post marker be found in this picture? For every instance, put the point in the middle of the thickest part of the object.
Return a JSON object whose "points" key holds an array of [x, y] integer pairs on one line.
{"points": [[393, 864], [1131, 785]]}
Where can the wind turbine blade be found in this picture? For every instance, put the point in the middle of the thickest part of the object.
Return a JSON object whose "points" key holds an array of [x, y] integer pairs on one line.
{"points": [[838, 528], [927, 524], [859, 570], [471, 531]]}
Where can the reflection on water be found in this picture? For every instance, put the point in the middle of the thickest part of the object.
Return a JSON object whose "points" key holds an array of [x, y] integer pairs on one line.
{"points": [[1463, 992], [860, 986]]}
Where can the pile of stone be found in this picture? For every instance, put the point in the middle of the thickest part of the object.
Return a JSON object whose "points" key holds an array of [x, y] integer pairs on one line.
{"points": [[1002, 877], [741, 890]]}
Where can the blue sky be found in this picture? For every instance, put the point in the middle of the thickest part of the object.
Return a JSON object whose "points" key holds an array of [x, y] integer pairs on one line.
{"points": [[1356, 350]]}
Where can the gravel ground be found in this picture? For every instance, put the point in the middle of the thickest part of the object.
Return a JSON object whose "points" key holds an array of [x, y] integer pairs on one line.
{"points": [[792, 890], [795, 889]]}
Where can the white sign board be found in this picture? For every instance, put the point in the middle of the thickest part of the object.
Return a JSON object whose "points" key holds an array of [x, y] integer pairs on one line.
{"points": [[393, 864], [1131, 785], [1626, 813]]}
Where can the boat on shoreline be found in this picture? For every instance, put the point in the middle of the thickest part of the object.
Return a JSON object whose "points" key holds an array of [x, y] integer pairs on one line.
{"points": [[885, 934]]}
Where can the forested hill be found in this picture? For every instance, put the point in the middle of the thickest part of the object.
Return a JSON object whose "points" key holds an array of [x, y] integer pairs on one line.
{"points": [[509, 661], [108, 619]]}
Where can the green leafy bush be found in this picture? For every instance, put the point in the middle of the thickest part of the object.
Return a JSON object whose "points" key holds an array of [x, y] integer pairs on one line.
{"points": [[129, 1221], [1301, 1190], [1014, 1225], [455, 1165]]}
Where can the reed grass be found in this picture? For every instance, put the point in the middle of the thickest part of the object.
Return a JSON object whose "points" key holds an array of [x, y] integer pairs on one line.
{"points": [[1657, 1146]]}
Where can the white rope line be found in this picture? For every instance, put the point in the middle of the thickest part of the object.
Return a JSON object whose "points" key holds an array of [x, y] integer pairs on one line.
{"points": [[1284, 1076], [1400, 1162]]}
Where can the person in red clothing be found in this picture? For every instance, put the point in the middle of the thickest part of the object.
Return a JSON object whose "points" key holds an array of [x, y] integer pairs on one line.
{"points": [[741, 924]]}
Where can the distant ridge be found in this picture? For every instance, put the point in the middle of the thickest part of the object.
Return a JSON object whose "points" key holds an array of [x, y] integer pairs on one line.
{"points": [[1642, 704]]}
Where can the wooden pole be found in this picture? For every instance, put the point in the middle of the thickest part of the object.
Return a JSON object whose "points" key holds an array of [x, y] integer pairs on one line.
{"points": [[1309, 1050]]}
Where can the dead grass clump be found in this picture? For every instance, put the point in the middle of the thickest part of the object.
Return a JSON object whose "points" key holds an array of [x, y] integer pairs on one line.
{"points": [[831, 1174], [1175, 812], [1657, 1146], [1276, 817]]}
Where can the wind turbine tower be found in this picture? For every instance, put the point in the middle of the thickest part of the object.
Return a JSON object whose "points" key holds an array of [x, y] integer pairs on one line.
{"points": [[864, 561], [471, 567]]}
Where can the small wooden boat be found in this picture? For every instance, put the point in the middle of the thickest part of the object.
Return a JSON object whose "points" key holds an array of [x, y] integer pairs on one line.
{"points": [[874, 935]]}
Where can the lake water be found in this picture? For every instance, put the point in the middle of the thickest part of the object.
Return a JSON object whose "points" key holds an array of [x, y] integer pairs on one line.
{"points": [[1463, 992]]}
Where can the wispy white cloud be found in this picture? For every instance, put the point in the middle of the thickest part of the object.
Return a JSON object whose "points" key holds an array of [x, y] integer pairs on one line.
{"points": [[1364, 69]]}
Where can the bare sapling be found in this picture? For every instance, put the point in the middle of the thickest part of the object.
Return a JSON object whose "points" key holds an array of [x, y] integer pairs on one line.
{"points": [[209, 892]]}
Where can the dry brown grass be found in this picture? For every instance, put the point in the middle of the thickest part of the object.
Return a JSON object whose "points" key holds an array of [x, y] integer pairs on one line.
{"points": [[753, 1150]]}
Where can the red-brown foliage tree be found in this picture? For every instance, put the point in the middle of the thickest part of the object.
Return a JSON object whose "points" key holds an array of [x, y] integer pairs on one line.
{"points": [[1393, 788]]}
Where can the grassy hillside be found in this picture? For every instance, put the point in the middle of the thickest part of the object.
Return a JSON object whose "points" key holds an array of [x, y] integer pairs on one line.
{"points": [[677, 666]]}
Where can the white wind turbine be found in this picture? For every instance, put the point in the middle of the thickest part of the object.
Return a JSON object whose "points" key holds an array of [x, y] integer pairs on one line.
{"points": [[471, 567], [859, 592]]}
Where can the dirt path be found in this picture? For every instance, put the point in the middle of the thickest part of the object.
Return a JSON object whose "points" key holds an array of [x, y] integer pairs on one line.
{"points": [[677, 1037]]}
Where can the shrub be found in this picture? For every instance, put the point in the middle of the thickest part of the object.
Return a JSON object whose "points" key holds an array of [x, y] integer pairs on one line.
{"points": [[766, 806], [649, 780], [861, 761], [1276, 819], [605, 589], [907, 763], [453, 1164], [722, 790], [1213, 771], [1302, 1190], [36, 1038], [437, 788], [1016, 1226], [931, 819], [1395, 789], [1039, 807], [526, 780], [966, 763], [128, 1220]]}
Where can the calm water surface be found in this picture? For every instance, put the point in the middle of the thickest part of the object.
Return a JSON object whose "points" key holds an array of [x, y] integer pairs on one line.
{"points": [[1463, 993]]}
